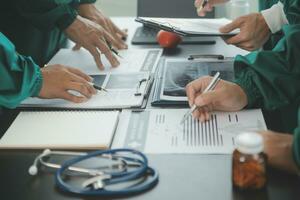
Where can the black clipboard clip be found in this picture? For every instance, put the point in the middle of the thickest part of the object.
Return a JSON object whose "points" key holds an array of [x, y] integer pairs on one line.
{"points": [[214, 56], [163, 25], [137, 92]]}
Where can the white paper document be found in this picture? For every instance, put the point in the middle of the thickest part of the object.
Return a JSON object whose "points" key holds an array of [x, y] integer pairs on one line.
{"points": [[159, 131], [133, 60], [61, 130], [122, 90], [195, 26]]}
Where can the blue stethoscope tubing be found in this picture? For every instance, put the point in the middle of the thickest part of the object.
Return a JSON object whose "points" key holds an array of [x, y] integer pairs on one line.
{"points": [[143, 171]]}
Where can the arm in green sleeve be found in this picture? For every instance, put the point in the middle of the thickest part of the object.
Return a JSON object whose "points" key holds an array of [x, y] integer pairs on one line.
{"points": [[292, 10], [48, 14], [20, 76], [87, 1], [271, 79], [296, 143]]}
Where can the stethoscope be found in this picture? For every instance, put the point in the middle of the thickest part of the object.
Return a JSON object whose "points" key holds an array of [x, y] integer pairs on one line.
{"points": [[129, 165]]}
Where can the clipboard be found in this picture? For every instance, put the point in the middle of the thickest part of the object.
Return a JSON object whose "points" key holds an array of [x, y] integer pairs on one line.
{"points": [[123, 91], [188, 27], [171, 80]]}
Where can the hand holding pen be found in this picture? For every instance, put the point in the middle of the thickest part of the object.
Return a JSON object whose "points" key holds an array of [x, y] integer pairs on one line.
{"points": [[209, 87], [224, 96], [204, 6]]}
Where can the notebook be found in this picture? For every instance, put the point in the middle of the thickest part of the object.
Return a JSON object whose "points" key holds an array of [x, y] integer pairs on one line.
{"points": [[61, 130]]}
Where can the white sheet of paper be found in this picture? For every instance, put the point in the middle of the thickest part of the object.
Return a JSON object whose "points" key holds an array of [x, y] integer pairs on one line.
{"points": [[134, 60], [195, 25], [61, 129], [159, 131], [120, 94]]}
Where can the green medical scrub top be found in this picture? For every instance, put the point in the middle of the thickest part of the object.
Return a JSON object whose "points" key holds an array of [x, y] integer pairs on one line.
{"points": [[277, 94], [296, 142], [292, 11], [20, 77], [271, 80], [36, 26]]}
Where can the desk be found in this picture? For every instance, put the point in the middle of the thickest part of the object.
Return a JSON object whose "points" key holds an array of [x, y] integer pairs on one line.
{"points": [[188, 177]]}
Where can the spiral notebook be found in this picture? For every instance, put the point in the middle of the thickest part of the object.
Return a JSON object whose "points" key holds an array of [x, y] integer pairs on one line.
{"points": [[61, 130]]}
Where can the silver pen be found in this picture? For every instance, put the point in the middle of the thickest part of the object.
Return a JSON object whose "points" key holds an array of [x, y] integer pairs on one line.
{"points": [[202, 5], [210, 87]]}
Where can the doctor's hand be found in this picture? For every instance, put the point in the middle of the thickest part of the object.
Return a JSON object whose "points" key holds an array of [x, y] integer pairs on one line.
{"points": [[254, 32], [92, 37], [278, 147], [90, 12], [226, 96], [208, 7], [58, 79]]}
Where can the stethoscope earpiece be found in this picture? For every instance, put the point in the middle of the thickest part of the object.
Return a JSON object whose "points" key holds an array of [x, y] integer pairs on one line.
{"points": [[33, 170], [47, 152]]}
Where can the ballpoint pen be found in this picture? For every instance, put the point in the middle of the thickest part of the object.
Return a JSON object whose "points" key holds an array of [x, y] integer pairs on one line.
{"points": [[98, 87], [202, 6], [113, 50], [210, 87]]}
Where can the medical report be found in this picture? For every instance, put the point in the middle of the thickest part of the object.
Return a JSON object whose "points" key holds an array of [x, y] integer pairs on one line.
{"points": [[159, 131]]}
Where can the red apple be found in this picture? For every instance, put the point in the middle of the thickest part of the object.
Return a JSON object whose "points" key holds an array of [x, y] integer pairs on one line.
{"points": [[168, 39]]}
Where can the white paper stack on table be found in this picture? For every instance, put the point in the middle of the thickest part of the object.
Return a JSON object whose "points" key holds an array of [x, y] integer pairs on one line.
{"points": [[61, 130], [160, 131], [189, 27], [123, 83], [133, 60]]}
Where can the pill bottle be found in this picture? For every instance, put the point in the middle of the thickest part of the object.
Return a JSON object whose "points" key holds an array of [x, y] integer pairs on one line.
{"points": [[249, 162]]}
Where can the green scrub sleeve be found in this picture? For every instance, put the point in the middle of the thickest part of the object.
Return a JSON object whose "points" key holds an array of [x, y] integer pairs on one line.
{"points": [[20, 76], [296, 142], [48, 14], [87, 1], [292, 10], [271, 79]]}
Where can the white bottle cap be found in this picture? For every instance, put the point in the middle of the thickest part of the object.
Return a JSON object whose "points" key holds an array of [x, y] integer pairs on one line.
{"points": [[249, 143]]}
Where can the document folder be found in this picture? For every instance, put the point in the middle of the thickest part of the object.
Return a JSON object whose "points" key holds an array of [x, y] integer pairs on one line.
{"points": [[189, 27]]}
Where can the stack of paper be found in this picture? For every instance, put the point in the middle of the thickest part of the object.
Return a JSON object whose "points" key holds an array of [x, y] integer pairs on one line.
{"points": [[189, 27], [133, 60]]}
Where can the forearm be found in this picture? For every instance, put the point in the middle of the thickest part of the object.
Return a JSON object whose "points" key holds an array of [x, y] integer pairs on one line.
{"points": [[283, 158], [271, 78], [279, 150], [48, 14], [20, 76], [296, 144]]}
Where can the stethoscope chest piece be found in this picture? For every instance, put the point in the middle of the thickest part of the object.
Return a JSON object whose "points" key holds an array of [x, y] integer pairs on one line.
{"points": [[96, 182]]}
